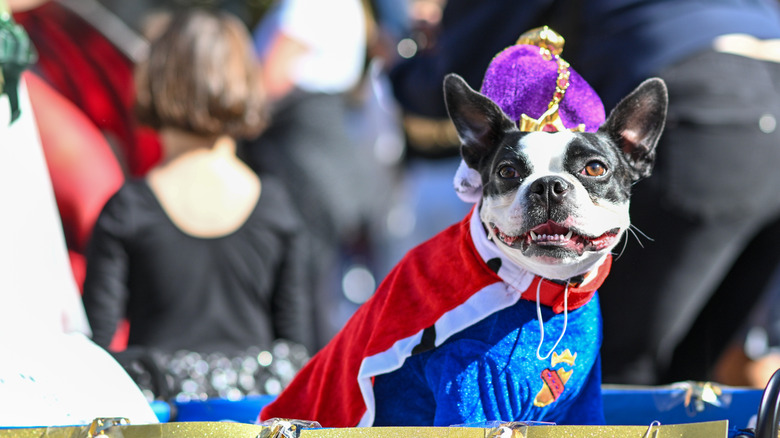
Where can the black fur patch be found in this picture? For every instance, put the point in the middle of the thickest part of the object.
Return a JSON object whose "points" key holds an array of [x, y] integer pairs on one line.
{"points": [[494, 264], [428, 341]]}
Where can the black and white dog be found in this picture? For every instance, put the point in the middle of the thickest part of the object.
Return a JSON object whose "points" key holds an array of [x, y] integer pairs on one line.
{"points": [[455, 333], [553, 205], [557, 203]]}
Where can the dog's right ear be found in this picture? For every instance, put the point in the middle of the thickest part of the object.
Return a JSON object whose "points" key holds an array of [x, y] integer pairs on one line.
{"points": [[479, 121]]}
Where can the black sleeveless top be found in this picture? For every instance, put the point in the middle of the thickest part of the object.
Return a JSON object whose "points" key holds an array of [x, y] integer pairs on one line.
{"points": [[178, 291]]}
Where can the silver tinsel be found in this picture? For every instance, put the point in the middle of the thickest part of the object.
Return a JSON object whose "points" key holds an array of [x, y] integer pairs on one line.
{"points": [[187, 375]]}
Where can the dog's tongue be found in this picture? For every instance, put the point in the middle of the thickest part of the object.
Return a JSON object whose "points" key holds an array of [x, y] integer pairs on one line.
{"points": [[550, 227]]}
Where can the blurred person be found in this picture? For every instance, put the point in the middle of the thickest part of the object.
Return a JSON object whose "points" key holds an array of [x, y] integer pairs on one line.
{"points": [[313, 54], [711, 208], [672, 306], [135, 13], [201, 254], [423, 202], [753, 355], [49, 366]]}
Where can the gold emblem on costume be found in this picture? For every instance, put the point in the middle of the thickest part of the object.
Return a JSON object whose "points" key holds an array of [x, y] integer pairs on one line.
{"points": [[566, 358], [554, 380]]}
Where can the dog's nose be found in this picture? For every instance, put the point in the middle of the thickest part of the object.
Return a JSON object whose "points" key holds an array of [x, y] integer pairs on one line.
{"points": [[551, 189]]}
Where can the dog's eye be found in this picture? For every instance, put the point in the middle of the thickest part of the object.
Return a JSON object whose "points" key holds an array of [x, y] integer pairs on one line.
{"points": [[508, 172], [594, 168]]}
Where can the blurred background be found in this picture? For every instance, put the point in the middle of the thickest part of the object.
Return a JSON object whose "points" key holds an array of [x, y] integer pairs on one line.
{"points": [[360, 138]]}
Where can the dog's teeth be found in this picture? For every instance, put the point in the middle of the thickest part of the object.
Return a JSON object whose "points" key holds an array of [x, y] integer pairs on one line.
{"points": [[569, 234], [533, 235]]}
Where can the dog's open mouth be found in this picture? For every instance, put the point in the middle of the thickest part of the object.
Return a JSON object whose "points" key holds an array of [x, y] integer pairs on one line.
{"points": [[552, 235]]}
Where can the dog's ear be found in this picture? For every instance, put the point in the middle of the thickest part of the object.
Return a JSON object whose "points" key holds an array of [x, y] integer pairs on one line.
{"points": [[479, 121], [636, 124]]}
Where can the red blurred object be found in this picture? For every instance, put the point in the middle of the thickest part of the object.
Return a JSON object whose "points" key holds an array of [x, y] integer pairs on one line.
{"points": [[86, 68], [82, 94], [84, 171]]}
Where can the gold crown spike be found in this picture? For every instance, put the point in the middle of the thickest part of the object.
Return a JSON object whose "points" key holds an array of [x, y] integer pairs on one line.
{"points": [[566, 357], [550, 45], [543, 37]]}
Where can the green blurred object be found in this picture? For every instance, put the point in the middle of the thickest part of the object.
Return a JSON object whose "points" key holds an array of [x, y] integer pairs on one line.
{"points": [[16, 54]]}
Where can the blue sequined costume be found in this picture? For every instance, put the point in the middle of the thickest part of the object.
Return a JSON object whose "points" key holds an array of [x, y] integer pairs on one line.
{"points": [[450, 337], [490, 372]]}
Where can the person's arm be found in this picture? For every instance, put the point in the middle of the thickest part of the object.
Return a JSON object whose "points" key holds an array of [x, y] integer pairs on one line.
{"points": [[292, 301], [105, 285]]}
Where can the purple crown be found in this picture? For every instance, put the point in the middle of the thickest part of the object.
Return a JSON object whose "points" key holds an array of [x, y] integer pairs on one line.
{"points": [[537, 89]]}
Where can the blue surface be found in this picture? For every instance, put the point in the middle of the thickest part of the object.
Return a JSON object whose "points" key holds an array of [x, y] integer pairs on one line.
{"points": [[162, 410], [245, 410], [622, 406], [635, 406]]}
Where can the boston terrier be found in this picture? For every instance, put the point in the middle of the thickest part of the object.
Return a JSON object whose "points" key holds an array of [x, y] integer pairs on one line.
{"points": [[553, 206], [496, 318]]}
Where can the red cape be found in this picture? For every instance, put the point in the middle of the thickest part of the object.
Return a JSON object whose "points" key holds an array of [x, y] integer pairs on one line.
{"points": [[443, 283]]}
